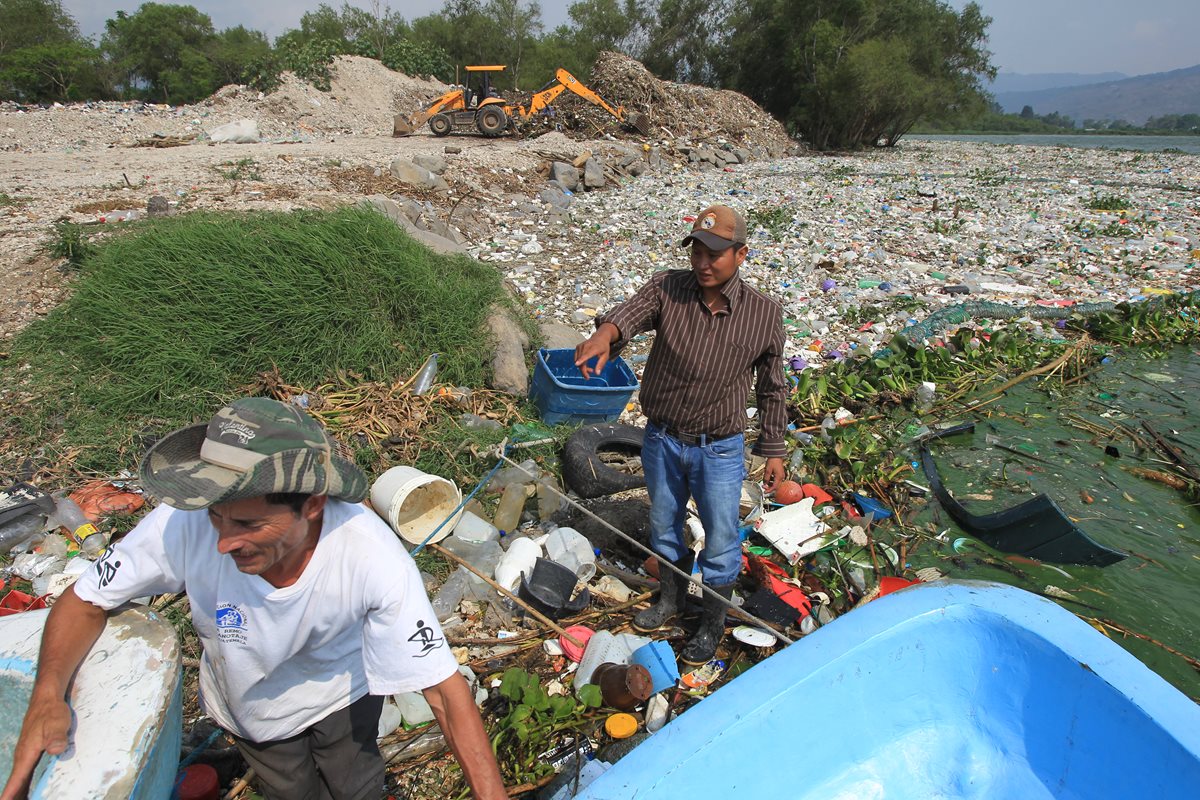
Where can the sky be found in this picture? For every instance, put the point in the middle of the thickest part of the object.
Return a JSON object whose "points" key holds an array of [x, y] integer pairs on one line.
{"points": [[1027, 36]]}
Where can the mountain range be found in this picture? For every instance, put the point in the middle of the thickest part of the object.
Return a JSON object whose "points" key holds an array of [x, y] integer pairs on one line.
{"points": [[1134, 99]]}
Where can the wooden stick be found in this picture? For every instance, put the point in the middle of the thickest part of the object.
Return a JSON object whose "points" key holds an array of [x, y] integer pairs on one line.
{"points": [[539, 616], [240, 786], [1172, 451]]}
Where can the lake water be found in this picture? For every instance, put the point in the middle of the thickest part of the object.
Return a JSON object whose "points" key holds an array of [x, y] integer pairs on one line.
{"points": [[1152, 593], [1188, 144]]}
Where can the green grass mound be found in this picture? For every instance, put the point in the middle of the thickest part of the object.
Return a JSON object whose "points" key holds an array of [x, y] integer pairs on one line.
{"points": [[171, 319]]}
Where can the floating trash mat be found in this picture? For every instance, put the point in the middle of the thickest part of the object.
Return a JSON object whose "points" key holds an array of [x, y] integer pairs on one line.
{"points": [[1097, 450]]}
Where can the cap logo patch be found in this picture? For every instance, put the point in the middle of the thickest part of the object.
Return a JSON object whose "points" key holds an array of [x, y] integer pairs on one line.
{"points": [[708, 221], [243, 433]]}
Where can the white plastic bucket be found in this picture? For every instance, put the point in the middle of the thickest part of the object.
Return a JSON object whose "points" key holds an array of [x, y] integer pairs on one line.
{"points": [[415, 502]]}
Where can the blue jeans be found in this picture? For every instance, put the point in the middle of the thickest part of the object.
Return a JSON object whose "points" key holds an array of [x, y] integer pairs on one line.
{"points": [[712, 473]]}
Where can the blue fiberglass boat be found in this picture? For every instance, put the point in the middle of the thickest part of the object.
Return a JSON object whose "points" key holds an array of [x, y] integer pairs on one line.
{"points": [[942, 690], [126, 700]]}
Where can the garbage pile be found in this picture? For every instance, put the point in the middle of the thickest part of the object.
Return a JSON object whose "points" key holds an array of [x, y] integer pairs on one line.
{"points": [[685, 111]]}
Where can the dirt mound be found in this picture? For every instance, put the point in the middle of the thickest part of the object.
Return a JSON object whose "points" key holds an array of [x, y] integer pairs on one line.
{"points": [[362, 98]]}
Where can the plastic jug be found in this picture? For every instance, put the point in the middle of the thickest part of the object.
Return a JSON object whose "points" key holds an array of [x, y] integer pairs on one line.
{"points": [[512, 503], [572, 549], [522, 554]]}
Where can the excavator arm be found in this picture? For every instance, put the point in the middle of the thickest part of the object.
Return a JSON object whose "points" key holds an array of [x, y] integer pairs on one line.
{"points": [[566, 82]]}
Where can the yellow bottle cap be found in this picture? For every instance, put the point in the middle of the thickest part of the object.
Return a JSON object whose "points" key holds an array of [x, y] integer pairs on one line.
{"points": [[621, 726]]}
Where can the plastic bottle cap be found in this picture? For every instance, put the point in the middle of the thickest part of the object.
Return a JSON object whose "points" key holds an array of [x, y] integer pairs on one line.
{"points": [[621, 726]]}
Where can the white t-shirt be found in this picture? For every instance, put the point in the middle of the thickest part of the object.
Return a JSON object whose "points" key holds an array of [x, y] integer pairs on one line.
{"points": [[276, 661]]}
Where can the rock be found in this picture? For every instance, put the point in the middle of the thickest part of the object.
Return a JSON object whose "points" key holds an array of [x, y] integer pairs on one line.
{"points": [[558, 336], [565, 174], [392, 210], [555, 197], [452, 149], [158, 206], [432, 162], [742, 155], [636, 168], [593, 174], [509, 372], [406, 171]]}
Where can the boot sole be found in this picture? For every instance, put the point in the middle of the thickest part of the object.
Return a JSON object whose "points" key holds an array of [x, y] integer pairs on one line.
{"points": [[666, 625]]}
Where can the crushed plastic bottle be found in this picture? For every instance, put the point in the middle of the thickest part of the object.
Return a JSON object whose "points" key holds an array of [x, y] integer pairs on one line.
{"points": [[69, 515], [426, 376]]}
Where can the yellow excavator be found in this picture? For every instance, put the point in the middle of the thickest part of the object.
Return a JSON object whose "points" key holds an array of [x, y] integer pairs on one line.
{"points": [[461, 110]]}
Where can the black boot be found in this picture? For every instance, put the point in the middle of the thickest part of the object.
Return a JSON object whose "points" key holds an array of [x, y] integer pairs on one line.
{"points": [[703, 646], [672, 596]]}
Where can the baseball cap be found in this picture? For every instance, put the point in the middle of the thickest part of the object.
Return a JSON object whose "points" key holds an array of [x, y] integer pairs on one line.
{"points": [[252, 447], [717, 228]]}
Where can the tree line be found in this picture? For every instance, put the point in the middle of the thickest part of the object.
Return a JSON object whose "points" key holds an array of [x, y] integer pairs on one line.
{"points": [[841, 74], [994, 120]]}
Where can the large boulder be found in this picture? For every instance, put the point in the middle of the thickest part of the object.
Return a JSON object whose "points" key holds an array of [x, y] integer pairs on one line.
{"points": [[558, 336], [432, 162], [509, 372], [566, 174], [593, 174], [393, 211], [407, 172]]}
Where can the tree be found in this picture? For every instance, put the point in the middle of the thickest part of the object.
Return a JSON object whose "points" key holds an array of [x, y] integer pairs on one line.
{"points": [[43, 58], [163, 48], [684, 38], [515, 31], [850, 73], [234, 50], [599, 25], [28, 23], [1027, 112], [44, 73]]}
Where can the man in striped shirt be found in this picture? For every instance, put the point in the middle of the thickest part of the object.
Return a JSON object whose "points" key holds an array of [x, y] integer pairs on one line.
{"points": [[715, 336]]}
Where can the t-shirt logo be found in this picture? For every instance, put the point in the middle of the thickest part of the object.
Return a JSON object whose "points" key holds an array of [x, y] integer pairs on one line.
{"points": [[106, 567], [231, 623], [425, 637]]}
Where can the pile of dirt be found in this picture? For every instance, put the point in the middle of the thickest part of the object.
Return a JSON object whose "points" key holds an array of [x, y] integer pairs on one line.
{"points": [[679, 110], [363, 96]]}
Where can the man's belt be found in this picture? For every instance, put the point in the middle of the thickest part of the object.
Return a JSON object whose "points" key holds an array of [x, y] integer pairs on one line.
{"points": [[693, 439]]}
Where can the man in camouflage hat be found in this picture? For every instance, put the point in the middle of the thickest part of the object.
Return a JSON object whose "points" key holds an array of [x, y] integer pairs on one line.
{"points": [[308, 608]]}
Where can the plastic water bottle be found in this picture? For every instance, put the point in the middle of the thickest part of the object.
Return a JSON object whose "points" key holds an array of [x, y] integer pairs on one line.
{"points": [[20, 530], [69, 515], [424, 381], [512, 503]]}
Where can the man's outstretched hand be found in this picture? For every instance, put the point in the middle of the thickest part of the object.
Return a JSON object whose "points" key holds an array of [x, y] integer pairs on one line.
{"points": [[773, 475], [597, 346], [47, 723]]}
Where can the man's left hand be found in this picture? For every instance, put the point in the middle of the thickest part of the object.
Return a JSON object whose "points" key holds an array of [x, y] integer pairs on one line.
{"points": [[773, 475]]}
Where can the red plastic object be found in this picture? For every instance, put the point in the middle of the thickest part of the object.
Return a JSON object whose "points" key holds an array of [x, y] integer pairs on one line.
{"points": [[889, 584], [198, 782], [788, 492], [15, 602], [818, 494], [580, 632]]}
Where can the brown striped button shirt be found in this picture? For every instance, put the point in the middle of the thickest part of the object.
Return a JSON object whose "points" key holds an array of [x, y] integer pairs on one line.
{"points": [[697, 379]]}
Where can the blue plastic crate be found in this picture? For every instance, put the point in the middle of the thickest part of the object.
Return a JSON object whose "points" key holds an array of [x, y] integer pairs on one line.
{"points": [[563, 396]]}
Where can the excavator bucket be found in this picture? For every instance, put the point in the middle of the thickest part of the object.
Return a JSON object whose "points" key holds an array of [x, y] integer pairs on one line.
{"points": [[401, 126], [641, 123]]}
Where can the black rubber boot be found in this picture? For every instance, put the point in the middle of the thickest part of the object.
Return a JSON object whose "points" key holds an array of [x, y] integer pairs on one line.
{"points": [[703, 646], [672, 596]]}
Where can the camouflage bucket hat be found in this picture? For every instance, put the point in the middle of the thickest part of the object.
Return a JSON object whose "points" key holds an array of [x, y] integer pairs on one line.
{"points": [[252, 447]]}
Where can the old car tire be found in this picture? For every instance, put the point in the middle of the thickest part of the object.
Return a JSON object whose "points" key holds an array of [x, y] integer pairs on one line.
{"points": [[491, 120], [583, 469], [440, 124]]}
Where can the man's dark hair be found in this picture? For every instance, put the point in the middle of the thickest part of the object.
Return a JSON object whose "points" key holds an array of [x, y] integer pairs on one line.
{"points": [[295, 500]]}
